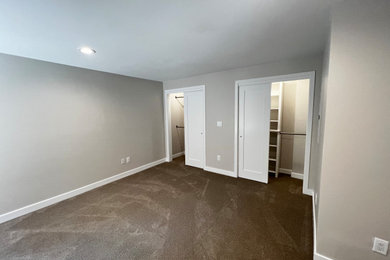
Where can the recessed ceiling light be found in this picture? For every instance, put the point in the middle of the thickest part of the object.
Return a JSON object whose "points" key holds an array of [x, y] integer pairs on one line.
{"points": [[87, 50]]}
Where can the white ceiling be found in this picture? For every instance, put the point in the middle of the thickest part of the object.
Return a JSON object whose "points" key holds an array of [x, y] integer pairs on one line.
{"points": [[163, 39]]}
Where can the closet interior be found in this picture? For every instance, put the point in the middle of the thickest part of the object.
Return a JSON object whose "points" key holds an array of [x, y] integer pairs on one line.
{"points": [[288, 121], [176, 103]]}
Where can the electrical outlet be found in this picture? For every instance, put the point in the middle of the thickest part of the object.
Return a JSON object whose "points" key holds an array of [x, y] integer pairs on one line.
{"points": [[380, 246], [127, 159], [218, 157], [123, 161]]}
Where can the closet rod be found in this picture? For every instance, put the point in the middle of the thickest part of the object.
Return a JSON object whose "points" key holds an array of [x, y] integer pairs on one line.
{"points": [[179, 126], [287, 133], [179, 97]]}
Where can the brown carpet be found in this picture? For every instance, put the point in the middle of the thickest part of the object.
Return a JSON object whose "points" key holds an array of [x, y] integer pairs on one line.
{"points": [[170, 211]]}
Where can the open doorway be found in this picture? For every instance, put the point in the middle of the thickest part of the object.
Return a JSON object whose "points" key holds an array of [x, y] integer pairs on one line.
{"points": [[288, 123], [272, 135], [184, 111], [176, 103]]}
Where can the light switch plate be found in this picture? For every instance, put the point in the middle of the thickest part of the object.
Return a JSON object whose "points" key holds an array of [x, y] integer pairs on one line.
{"points": [[380, 246], [219, 123]]}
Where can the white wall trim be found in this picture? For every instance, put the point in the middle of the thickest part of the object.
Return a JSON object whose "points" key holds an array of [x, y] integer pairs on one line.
{"points": [[321, 257], [180, 90], [316, 256], [296, 76], [220, 171], [285, 171], [178, 155], [50, 201], [297, 175], [235, 159], [167, 126]]}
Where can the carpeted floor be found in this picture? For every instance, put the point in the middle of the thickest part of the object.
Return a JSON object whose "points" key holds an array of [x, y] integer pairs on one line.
{"points": [[170, 211]]}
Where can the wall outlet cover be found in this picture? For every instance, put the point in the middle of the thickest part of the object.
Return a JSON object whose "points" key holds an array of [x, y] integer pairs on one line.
{"points": [[123, 161], [380, 246], [219, 123], [127, 159], [218, 157]]}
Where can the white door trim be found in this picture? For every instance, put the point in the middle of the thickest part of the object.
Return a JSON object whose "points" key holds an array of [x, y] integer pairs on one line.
{"points": [[167, 119], [296, 76]]}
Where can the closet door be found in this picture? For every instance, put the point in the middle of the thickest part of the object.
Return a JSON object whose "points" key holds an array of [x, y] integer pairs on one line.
{"points": [[254, 127], [194, 128]]}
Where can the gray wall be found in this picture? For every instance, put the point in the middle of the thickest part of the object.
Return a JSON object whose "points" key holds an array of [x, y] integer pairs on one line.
{"points": [[300, 123], [321, 126], [354, 194], [65, 127], [294, 120], [288, 122], [177, 118], [220, 105]]}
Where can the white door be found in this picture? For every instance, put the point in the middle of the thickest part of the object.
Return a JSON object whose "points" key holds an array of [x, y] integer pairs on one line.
{"points": [[194, 128], [254, 126]]}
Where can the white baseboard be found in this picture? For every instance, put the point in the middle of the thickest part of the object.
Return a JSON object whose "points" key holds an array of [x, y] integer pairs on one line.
{"points": [[50, 201], [296, 175], [220, 171], [321, 257], [285, 171], [316, 256], [177, 155]]}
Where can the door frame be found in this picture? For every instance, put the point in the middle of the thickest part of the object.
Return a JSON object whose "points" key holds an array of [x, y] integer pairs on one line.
{"points": [[167, 119], [288, 77]]}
